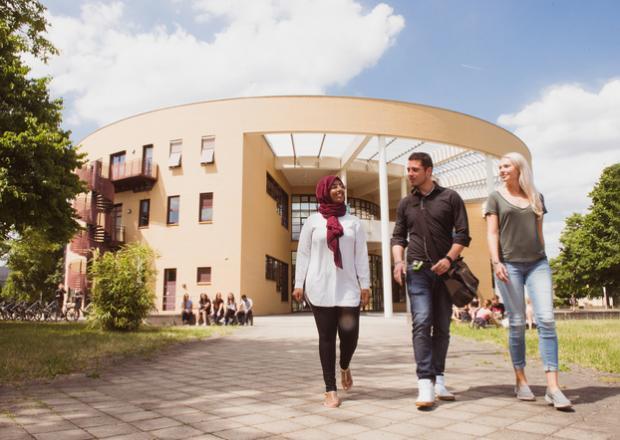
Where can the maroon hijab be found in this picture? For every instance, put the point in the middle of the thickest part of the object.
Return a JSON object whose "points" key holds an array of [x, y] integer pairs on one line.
{"points": [[331, 211]]}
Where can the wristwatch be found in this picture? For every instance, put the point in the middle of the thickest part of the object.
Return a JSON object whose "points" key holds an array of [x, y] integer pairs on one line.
{"points": [[449, 258]]}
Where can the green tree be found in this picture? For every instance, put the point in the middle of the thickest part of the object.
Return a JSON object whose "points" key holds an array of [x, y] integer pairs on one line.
{"points": [[36, 267], [122, 291], [37, 159], [589, 258]]}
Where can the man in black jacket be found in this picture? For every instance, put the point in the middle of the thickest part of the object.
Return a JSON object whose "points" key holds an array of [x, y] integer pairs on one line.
{"points": [[443, 212]]}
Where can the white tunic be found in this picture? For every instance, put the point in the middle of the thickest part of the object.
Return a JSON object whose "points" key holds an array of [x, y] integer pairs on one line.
{"points": [[326, 284]]}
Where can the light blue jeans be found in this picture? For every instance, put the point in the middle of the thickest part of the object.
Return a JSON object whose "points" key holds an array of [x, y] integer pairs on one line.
{"points": [[536, 276]]}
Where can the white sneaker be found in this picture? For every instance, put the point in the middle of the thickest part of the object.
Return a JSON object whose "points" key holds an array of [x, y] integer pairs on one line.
{"points": [[441, 391], [426, 394]]}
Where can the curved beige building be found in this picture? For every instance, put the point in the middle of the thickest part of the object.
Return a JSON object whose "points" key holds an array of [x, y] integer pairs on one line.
{"points": [[219, 189]]}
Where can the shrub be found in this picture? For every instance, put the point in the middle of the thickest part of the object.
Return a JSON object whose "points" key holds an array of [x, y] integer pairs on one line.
{"points": [[122, 292]]}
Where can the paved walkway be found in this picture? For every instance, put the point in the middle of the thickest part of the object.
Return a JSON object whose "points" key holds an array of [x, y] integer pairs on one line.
{"points": [[265, 382]]}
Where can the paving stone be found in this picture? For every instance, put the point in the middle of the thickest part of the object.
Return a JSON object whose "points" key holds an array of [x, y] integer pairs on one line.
{"points": [[111, 430], [471, 428], [72, 434], [280, 426], [578, 434], [243, 433], [158, 423], [175, 432], [139, 399], [14, 433], [533, 427], [49, 427]]}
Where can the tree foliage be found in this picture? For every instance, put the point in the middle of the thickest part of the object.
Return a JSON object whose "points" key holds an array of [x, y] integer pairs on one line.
{"points": [[589, 258], [36, 267], [122, 291], [36, 157]]}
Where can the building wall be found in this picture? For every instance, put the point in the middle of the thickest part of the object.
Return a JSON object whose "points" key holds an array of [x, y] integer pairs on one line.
{"points": [[190, 244], [245, 225], [262, 232], [477, 254]]}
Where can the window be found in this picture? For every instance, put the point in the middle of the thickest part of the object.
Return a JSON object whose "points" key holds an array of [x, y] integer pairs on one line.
{"points": [[302, 207], [147, 160], [206, 207], [176, 147], [276, 192], [170, 289], [277, 271], [203, 275], [173, 210], [118, 231], [117, 166], [364, 209], [145, 209], [207, 149]]}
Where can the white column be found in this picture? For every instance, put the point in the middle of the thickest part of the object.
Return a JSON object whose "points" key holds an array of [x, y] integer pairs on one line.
{"points": [[404, 192], [385, 230], [343, 177], [490, 176]]}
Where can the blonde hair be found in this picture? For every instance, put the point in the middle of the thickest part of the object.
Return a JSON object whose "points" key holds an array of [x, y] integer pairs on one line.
{"points": [[526, 181]]}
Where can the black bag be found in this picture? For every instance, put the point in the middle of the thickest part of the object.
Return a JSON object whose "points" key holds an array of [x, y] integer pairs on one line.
{"points": [[461, 283]]}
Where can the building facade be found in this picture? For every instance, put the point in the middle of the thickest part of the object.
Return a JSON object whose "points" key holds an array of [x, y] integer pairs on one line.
{"points": [[220, 189]]}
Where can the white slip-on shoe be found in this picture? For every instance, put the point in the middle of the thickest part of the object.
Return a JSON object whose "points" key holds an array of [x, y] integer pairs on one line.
{"points": [[523, 392], [441, 391], [426, 394], [557, 399]]}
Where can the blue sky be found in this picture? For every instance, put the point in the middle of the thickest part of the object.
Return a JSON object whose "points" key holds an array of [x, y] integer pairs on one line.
{"points": [[547, 70]]}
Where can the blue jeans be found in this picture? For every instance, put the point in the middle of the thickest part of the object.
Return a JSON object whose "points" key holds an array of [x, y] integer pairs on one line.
{"points": [[431, 310], [536, 276]]}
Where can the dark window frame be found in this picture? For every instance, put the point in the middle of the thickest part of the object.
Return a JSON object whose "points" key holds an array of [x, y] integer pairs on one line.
{"points": [[200, 198], [277, 270], [277, 193], [210, 272], [111, 174], [168, 211], [167, 297], [141, 224]]}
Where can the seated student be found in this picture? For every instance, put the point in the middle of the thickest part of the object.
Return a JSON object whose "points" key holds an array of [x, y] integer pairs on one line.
{"points": [[231, 309], [187, 315], [498, 308], [240, 313], [473, 308], [248, 317], [204, 309], [484, 316], [218, 308], [461, 314]]}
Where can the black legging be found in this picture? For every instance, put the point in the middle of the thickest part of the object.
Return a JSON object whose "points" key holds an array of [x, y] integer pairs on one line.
{"points": [[344, 321]]}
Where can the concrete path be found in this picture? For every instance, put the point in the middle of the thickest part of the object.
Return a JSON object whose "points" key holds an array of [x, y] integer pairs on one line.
{"points": [[265, 382]]}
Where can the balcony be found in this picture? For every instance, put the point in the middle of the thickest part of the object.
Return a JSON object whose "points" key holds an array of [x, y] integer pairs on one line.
{"points": [[91, 175], [135, 175]]}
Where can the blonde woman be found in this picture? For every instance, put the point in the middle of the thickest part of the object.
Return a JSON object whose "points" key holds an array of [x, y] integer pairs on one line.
{"points": [[514, 216]]}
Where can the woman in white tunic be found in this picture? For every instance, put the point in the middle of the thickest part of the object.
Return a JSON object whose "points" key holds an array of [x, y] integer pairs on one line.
{"points": [[332, 260]]}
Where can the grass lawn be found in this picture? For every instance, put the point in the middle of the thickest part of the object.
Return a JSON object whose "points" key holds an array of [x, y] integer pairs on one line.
{"points": [[588, 343], [43, 350]]}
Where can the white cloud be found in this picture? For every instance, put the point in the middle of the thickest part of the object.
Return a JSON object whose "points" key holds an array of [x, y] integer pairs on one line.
{"points": [[573, 135], [110, 68]]}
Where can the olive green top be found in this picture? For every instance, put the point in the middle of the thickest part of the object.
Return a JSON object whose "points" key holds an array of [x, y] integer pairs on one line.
{"points": [[518, 232]]}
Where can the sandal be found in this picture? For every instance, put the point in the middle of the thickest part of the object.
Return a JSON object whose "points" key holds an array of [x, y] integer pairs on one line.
{"points": [[346, 379], [331, 400]]}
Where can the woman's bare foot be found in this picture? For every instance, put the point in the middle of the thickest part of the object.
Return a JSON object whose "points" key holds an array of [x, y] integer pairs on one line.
{"points": [[346, 379], [331, 399]]}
